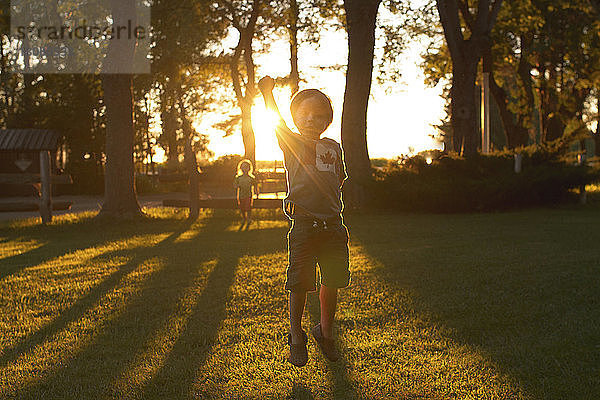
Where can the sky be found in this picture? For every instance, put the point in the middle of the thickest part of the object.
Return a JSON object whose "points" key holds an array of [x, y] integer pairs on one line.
{"points": [[399, 120]]}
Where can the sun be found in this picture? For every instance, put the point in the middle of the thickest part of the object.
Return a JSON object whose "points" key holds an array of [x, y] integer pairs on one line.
{"points": [[263, 124]]}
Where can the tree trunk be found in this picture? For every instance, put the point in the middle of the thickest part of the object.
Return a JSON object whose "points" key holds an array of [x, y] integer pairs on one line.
{"points": [[168, 116], [360, 25], [526, 117], [192, 167], [597, 134], [3, 76], [293, 32], [464, 105], [516, 135], [555, 127], [148, 142], [169, 127], [465, 53], [248, 133], [120, 199], [245, 104], [245, 99]]}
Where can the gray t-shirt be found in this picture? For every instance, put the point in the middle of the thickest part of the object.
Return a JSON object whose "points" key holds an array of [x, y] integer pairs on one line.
{"points": [[315, 173], [245, 184]]}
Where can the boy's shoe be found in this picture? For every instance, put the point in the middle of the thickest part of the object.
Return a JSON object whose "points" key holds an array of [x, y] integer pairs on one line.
{"points": [[298, 352], [326, 345]]}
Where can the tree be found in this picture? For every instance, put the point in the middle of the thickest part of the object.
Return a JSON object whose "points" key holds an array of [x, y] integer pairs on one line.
{"points": [[143, 86], [67, 103], [511, 59], [120, 199], [466, 43], [292, 27], [182, 56], [4, 73], [567, 65], [542, 57], [303, 20], [243, 17], [360, 25]]}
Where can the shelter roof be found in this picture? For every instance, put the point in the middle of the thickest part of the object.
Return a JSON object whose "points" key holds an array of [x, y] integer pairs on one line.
{"points": [[28, 139]]}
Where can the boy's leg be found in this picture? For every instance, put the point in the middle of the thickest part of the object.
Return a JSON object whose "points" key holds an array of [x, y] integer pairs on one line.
{"points": [[297, 301], [328, 300], [333, 259]]}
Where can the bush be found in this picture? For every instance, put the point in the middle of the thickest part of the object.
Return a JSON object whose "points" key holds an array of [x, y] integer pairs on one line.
{"points": [[221, 171], [481, 183]]}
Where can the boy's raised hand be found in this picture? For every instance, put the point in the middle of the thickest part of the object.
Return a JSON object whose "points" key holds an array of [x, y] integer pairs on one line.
{"points": [[266, 85]]}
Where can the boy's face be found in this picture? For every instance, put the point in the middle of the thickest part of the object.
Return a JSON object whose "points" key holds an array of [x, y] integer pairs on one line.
{"points": [[312, 117]]}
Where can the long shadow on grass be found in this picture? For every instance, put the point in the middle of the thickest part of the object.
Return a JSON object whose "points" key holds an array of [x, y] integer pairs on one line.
{"points": [[124, 340], [78, 309], [301, 392], [522, 287], [90, 371], [343, 387], [176, 377], [60, 239]]}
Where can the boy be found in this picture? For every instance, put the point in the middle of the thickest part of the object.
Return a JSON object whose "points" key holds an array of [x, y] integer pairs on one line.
{"points": [[244, 183], [315, 174]]}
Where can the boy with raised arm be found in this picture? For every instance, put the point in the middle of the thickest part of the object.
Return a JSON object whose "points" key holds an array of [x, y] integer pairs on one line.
{"points": [[315, 173]]}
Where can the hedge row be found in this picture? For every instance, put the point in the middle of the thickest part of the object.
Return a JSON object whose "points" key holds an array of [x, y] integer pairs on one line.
{"points": [[482, 183]]}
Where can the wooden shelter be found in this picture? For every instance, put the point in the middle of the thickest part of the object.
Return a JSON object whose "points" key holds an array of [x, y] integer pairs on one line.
{"points": [[28, 156]]}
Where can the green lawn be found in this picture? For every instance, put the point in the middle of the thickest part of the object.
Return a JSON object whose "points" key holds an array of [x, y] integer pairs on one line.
{"points": [[471, 306]]}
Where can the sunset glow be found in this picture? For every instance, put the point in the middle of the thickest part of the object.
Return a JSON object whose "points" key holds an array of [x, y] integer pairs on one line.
{"points": [[400, 116], [264, 122]]}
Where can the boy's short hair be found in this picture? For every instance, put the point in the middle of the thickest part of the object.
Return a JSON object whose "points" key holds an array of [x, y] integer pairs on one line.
{"points": [[307, 93]]}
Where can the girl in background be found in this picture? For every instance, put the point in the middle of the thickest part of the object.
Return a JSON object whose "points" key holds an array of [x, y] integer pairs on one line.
{"points": [[245, 186]]}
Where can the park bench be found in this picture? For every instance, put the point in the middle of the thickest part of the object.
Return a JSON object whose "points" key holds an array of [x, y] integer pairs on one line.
{"points": [[269, 182]]}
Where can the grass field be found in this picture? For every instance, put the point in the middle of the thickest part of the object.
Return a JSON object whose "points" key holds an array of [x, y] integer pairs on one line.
{"points": [[477, 306]]}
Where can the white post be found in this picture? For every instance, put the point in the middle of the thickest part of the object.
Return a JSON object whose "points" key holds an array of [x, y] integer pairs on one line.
{"points": [[485, 114], [46, 201], [518, 163], [582, 193]]}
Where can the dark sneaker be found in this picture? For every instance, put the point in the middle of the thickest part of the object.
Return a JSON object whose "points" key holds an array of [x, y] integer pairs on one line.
{"points": [[326, 345], [298, 352]]}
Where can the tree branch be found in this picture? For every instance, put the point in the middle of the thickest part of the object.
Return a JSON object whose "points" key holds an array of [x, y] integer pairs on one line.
{"points": [[468, 17], [494, 14], [235, 73], [247, 45], [483, 12], [448, 10]]}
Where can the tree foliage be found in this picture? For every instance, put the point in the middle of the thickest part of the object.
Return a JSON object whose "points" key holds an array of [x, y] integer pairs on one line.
{"points": [[542, 57]]}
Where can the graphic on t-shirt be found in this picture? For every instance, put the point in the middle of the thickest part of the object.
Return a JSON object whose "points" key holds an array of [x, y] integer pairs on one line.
{"points": [[326, 158]]}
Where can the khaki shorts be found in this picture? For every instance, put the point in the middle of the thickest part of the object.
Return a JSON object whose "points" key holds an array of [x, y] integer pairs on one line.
{"points": [[312, 242]]}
